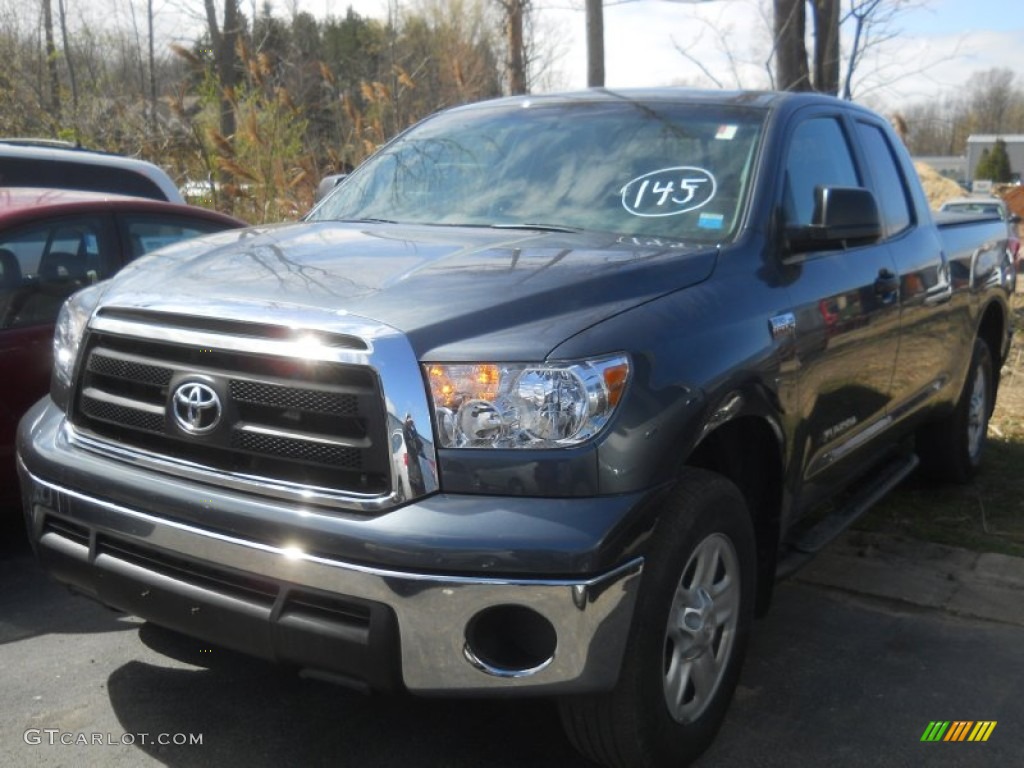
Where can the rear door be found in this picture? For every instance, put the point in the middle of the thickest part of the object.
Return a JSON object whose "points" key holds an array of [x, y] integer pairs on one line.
{"points": [[928, 329]]}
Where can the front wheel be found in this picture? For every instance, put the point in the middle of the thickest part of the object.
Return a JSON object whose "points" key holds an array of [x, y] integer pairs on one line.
{"points": [[689, 635], [951, 449]]}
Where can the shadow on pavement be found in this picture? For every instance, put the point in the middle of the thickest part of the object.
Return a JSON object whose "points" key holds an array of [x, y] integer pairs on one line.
{"points": [[13, 539], [32, 604], [252, 713]]}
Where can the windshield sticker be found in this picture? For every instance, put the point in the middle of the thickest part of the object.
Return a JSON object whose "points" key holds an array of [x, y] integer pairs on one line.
{"points": [[726, 132], [710, 220], [668, 192]]}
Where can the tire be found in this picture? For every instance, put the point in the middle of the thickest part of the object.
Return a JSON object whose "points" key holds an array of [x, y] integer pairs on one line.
{"points": [[688, 639], [951, 449]]}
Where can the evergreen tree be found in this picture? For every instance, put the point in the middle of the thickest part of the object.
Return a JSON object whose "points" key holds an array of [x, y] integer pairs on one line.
{"points": [[994, 165]]}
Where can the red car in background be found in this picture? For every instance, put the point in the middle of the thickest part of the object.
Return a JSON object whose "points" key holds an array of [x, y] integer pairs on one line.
{"points": [[53, 242]]}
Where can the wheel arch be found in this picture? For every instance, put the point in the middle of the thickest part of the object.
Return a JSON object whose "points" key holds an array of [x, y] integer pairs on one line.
{"points": [[993, 329], [748, 449]]}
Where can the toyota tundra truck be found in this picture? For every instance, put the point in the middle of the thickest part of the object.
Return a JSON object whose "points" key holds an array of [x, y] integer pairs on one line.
{"points": [[540, 401]]}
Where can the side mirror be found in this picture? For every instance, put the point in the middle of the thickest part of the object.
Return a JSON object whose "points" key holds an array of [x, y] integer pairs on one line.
{"points": [[843, 217], [1014, 218], [327, 183]]}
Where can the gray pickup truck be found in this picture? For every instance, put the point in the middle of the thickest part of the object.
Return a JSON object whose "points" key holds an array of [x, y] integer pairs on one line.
{"points": [[540, 400]]}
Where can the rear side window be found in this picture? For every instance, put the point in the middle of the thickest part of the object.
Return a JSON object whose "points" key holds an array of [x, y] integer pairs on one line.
{"points": [[147, 232], [819, 155], [43, 264], [982, 209], [22, 172], [890, 186]]}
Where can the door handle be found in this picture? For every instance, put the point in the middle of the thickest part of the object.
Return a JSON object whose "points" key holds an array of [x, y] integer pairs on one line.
{"points": [[887, 283]]}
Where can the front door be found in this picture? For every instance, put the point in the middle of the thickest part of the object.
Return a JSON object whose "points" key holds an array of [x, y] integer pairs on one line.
{"points": [[847, 312]]}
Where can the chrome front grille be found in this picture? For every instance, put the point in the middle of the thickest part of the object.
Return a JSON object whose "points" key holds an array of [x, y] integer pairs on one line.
{"points": [[284, 421]]}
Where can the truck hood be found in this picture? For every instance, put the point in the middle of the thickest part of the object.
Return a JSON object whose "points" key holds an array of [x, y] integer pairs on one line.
{"points": [[457, 293]]}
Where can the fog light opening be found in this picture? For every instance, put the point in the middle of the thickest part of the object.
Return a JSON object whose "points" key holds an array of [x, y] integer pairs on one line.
{"points": [[510, 641]]}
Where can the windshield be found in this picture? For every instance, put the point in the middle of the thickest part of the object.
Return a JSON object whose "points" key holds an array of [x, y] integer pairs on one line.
{"points": [[679, 171]]}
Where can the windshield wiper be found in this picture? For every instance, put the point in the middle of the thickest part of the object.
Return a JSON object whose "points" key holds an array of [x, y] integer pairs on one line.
{"points": [[539, 227], [536, 227]]}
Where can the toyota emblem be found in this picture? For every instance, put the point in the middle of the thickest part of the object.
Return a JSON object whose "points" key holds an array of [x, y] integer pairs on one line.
{"points": [[196, 408]]}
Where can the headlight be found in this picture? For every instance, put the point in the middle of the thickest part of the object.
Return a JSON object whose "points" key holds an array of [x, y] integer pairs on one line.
{"points": [[515, 405], [67, 337]]}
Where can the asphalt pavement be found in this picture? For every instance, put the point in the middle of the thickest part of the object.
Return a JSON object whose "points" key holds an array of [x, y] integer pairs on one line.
{"points": [[919, 574], [873, 641], [861, 651]]}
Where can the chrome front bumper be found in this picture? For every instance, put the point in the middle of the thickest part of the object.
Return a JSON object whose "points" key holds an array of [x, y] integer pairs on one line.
{"points": [[93, 544]]}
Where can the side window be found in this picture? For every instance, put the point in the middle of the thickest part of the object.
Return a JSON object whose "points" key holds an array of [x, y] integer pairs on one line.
{"points": [[60, 174], [43, 264], [890, 185], [147, 232], [819, 155]]}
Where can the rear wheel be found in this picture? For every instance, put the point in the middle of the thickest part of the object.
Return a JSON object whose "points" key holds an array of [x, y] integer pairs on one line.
{"points": [[951, 449], [689, 635]]}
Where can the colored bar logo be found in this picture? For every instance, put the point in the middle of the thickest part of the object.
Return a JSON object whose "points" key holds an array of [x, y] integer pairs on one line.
{"points": [[958, 730]]}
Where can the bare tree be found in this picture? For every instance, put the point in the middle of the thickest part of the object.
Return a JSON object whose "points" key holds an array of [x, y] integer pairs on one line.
{"points": [[722, 35], [515, 12], [136, 50], [544, 44], [224, 37], [530, 49], [874, 25], [826, 45], [26, 103], [51, 60], [829, 66], [793, 72], [995, 101], [595, 43], [933, 127], [147, 69], [991, 102], [70, 63], [790, 24], [152, 68]]}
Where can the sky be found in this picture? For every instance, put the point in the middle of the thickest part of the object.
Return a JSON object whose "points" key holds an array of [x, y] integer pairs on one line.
{"points": [[938, 44]]}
